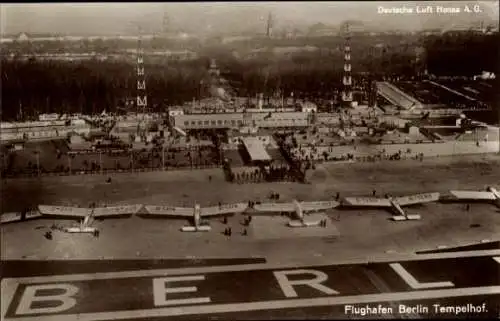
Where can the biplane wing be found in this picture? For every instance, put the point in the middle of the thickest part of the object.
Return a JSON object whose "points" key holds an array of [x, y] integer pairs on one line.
{"points": [[417, 199], [367, 202], [224, 209], [275, 207], [169, 211], [473, 195], [66, 211], [318, 206], [102, 212]]}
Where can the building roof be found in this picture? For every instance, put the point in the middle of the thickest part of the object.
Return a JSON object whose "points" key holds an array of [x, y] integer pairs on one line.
{"points": [[256, 149]]}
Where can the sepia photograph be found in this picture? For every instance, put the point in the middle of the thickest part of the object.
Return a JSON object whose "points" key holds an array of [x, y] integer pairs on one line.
{"points": [[250, 160]]}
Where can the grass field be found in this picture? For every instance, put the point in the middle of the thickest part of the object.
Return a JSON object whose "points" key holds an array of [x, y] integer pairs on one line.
{"points": [[25, 161], [361, 233]]}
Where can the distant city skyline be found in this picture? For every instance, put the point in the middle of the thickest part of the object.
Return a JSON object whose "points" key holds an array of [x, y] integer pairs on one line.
{"points": [[227, 17]]}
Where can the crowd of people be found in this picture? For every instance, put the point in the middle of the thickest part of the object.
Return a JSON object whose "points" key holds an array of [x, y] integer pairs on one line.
{"points": [[315, 154], [74, 164], [266, 174]]}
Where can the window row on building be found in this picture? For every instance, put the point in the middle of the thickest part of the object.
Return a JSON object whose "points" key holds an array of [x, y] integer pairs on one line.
{"points": [[265, 120], [32, 135], [212, 123], [40, 133]]}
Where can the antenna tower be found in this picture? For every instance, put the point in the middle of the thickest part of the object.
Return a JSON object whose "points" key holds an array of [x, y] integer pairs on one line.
{"points": [[269, 27], [347, 79], [166, 23], [142, 98]]}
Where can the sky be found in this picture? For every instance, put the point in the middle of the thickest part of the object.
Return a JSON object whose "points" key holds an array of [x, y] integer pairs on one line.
{"points": [[199, 17]]}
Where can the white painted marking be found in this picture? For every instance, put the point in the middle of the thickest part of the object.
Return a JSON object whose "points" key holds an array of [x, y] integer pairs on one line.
{"points": [[160, 290], [7, 291], [497, 259], [30, 296], [413, 283], [235, 268], [268, 305], [287, 286]]}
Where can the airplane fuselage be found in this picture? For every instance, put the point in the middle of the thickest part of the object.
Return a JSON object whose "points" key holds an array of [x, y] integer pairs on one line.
{"points": [[495, 192], [300, 219], [83, 228], [87, 220], [298, 211], [197, 226], [197, 215], [396, 207]]}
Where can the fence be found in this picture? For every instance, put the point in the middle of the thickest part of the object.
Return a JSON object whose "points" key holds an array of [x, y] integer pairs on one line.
{"points": [[364, 152], [26, 174]]}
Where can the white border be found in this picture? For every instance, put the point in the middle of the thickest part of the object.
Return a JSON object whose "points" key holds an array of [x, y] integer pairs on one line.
{"points": [[9, 287]]}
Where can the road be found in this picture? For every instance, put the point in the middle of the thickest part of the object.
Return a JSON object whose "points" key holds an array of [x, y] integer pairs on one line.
{"points": [[255, 290]]}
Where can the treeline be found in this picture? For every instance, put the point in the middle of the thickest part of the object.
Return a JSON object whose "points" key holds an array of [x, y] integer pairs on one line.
{"points": [[311, 73], [100, 46], [93, 86], [466, 54]]}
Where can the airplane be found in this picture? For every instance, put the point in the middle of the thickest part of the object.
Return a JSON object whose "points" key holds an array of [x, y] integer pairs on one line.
{"points": [[87, 215], [396, 203], [196, 213], [491, 194], [297, 209]]}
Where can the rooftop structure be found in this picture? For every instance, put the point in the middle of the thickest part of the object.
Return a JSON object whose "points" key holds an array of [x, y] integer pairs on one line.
{"points": [[396, 96], [236, 120], [255, 149]]}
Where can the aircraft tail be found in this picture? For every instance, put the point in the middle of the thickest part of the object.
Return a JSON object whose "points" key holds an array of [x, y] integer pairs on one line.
{"points": [[201, 228], [297, 223], [410, 217]]}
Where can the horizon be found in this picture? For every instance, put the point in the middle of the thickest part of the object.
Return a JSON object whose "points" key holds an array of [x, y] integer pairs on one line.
{"points": [[210, 18]]}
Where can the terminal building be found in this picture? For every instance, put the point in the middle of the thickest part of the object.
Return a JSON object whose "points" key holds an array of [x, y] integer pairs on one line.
{"points": [[42, 130], [272, 120], [256, 151]]}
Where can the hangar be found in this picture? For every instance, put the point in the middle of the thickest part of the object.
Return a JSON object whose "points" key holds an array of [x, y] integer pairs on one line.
{"points": [[256, 150]]}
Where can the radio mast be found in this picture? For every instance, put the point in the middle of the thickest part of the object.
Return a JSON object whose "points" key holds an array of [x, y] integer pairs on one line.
{"points": [[142, 98], [347, 79]]}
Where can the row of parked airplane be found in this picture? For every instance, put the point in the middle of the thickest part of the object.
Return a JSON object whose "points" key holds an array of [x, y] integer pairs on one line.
{"points": [[298, 210]]}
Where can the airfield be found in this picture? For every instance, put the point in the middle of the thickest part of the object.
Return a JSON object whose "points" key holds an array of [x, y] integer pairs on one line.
{"points": [[351, 235]]}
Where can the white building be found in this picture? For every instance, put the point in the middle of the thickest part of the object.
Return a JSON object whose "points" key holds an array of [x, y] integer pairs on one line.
{"points": [[23, 37], [41, 130], [309, 107], [175, 112], [48, 117]]}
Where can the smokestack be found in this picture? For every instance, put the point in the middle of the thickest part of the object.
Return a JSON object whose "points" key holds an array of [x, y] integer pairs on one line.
{"points": [[269, 27]]}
